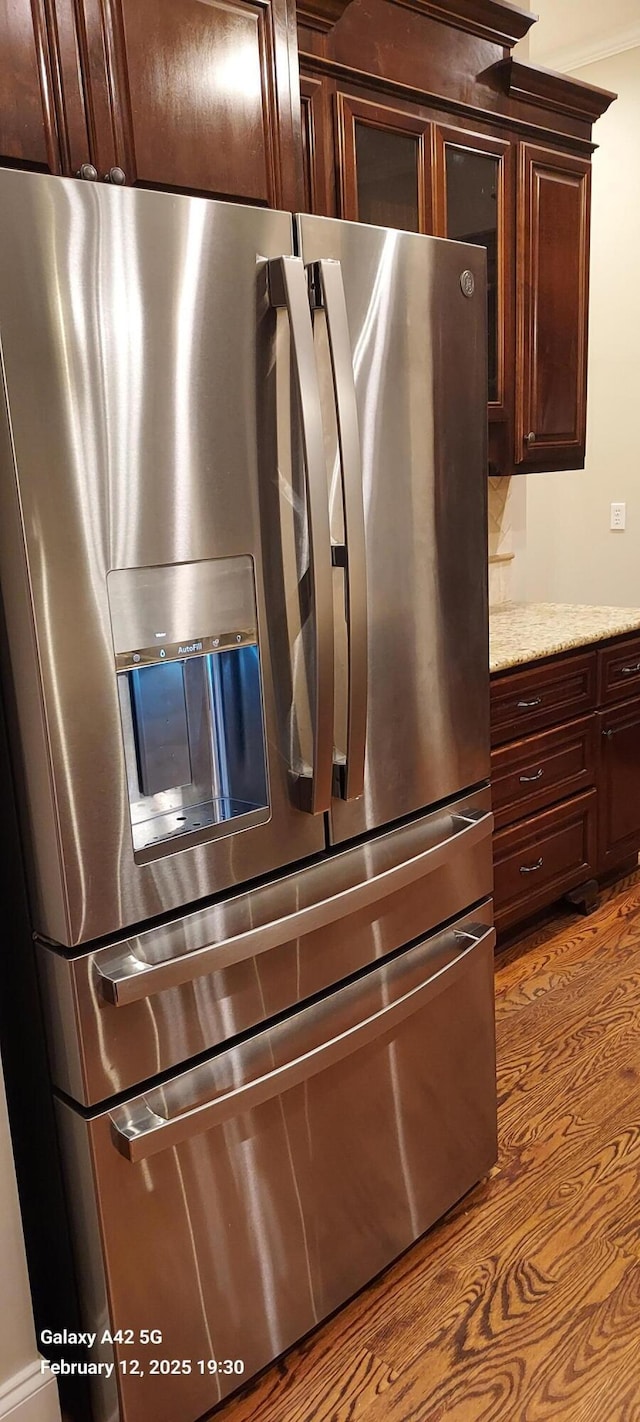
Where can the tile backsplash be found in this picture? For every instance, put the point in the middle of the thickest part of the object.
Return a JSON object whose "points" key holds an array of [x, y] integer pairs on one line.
{"points": [[501, 541]]}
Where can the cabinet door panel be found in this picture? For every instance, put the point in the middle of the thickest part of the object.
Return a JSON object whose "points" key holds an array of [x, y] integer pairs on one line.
{"points": [[384, 165], [316, 146], [193, 94], [619, 785], [28, 127], [553, 259], [473, 202]]}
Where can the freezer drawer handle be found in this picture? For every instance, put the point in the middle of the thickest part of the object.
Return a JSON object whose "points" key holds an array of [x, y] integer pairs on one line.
{"points": [[328, 287], [288, 288], [128, 978], [142, 1132]]}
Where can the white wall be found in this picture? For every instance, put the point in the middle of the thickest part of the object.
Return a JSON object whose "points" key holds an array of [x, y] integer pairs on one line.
{"points": [[26, 1395], [578, 32], [568, 553]]}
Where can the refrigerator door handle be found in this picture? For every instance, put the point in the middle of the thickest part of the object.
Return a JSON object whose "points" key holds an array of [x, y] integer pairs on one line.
{"points": [[125, 978], [139, 1131], [328, 288], [288, 288]]}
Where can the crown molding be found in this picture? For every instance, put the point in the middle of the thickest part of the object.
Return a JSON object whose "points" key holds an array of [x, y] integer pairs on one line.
{"points": [[496, 20], [577, 56], [547, 89], [320, 14]]}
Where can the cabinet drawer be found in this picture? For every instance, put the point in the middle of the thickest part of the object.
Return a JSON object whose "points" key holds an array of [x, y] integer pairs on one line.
{"points": [[541, 858], [539, 696], [536, 772], [619, 672]]}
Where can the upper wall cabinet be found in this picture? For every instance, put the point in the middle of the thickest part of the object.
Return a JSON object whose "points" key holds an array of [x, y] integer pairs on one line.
{"points": [[28, 130], [193, 94], [42, 114], [384, 164], [553, 284], [473, 202], [423, 120], [188, 94]]}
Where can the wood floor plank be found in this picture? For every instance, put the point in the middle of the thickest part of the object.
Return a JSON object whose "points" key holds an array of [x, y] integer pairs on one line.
{"points": [[523, 1304]]}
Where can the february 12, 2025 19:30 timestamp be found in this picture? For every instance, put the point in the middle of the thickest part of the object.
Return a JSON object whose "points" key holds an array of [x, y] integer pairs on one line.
{"points": [[131, 1366]]}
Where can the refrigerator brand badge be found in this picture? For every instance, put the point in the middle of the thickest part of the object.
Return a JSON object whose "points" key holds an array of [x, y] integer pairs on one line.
{"points": [[467, 282]]}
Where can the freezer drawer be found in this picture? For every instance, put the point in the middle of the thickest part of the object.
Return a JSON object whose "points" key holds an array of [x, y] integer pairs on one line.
{"points": [[245, 1199], [122, 1014]]}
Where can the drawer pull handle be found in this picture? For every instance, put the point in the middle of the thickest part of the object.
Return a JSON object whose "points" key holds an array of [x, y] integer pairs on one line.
{"points": [[142, 1129], [631, 671], [528, 705], [529, 779], [531, 868]]}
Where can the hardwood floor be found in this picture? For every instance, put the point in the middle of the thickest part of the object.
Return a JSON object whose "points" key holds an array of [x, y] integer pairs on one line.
{"points": [[524, 1302]]}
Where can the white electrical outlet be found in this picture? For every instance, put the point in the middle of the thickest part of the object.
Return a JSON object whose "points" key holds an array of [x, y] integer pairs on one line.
{"points": [[618, 517]]}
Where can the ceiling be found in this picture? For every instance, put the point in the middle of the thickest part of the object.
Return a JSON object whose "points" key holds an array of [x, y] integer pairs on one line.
{"points": [[570, 33]]}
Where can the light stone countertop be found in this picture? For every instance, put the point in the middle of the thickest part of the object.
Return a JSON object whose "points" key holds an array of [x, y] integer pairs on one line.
{"points": [[521, 632]]}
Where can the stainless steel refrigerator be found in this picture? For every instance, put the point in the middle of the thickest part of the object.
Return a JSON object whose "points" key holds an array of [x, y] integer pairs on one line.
{"points": [[242, 550]]}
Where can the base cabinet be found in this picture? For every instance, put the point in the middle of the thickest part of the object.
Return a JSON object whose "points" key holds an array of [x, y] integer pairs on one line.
{"points": [[618, 784], [566, 800]]}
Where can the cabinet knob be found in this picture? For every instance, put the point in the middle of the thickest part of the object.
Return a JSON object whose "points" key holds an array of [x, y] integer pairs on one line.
{"points": [[117, 176], [531, 437], [608, 735], [88, 172]]}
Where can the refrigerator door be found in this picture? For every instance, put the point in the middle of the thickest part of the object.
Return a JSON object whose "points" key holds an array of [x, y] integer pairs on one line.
{"points": [[411, 627], [159, 591], [239, 1203]]}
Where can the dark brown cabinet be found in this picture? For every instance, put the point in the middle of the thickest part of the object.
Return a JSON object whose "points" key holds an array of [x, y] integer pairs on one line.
{"points": [[385, 160], [427, 123], [537, 860], [28, 124], [473, 182], [193, 94], [317, 148], [553, 285], [187, 94], [43, 111], [579, 777], [619, 784]]}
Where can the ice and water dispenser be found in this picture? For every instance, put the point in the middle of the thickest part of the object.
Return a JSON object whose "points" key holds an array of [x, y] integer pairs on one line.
{"points": [[187, 662]]}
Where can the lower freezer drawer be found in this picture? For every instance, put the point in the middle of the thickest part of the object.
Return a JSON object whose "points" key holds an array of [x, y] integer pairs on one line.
{"points": [[237, 1205], [121, 1014]]}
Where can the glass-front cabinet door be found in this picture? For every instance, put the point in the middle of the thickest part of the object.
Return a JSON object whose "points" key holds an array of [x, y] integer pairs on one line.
{"points": [[384, 161], [473, 203]]}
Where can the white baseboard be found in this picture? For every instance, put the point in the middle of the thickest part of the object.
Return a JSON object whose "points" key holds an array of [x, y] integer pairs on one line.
{"points": [[30, 1396]]}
